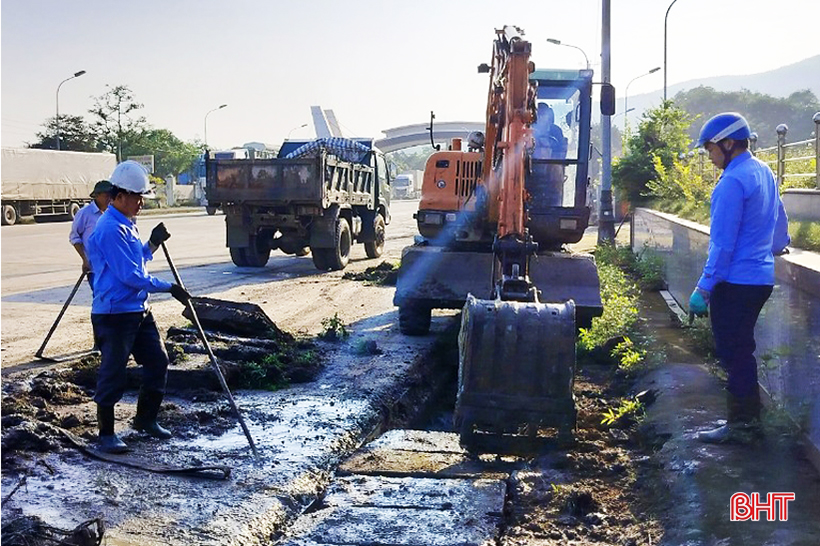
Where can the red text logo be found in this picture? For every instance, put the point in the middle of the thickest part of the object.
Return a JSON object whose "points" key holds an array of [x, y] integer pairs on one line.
{"points": [[743, 507]]}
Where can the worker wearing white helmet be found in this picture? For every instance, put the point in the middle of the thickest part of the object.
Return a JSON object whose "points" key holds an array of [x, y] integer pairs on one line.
{"points": [[122, 320], [748, 226]]}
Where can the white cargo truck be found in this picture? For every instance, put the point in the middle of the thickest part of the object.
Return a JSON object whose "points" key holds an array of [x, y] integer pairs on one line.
{"points": [[408, 185], [49, 183]]}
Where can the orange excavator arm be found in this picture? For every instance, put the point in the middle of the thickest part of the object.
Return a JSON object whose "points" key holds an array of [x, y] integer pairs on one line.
{"points": [[509, 114]]}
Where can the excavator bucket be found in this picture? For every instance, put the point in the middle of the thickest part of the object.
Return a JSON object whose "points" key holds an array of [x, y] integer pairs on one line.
{"points": [[516, 372]]}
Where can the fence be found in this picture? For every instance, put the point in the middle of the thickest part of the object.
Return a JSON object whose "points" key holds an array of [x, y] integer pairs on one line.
{"points": [[792, 162]]}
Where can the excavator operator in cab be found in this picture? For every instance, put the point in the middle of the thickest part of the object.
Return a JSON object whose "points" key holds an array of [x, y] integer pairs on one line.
{"points": [[550, 142]]}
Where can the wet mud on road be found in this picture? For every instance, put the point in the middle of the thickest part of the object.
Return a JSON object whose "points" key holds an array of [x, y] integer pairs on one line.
{"points": [[322, 480], [302, 432]]}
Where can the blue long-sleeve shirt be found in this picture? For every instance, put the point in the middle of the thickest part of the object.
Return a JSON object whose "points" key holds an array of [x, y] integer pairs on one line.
{"points": [[118, 259], [749, 224]]}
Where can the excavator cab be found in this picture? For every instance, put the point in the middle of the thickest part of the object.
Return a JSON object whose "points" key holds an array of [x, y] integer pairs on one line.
{"points": [[557, 177]]}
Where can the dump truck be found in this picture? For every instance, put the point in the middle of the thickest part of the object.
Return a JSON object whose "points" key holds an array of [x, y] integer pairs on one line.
{"points": [[318, 197], [493, 223], [49, 183]]}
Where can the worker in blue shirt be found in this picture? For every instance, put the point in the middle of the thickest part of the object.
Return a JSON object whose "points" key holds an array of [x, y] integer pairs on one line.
{"points": [[748, 227], [120, 315], [84, 221]]}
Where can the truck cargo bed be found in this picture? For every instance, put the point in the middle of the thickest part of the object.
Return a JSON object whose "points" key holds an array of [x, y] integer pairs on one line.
{"points": [[320, 180]]}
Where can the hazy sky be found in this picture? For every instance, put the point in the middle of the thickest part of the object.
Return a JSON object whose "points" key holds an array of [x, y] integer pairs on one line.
{"points": [[377, 63]]}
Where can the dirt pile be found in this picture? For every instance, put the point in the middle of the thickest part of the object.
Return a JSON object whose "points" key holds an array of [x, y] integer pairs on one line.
{"points": [[592, 492], [384, 274]]}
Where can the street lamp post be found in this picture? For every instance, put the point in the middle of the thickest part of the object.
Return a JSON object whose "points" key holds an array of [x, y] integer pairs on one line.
{"points": [[626, 92], [220, 107], [76, 75], [606, 220], [298, 127], [665, 18], [559, 42]]}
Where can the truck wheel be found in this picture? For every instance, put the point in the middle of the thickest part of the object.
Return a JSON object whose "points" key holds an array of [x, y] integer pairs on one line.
{"points": [[414, 319], [320, 258], [339, 255], [375, 248], [210, 210], [73, 209], [238, 257], [9, 215], [258, 253]]}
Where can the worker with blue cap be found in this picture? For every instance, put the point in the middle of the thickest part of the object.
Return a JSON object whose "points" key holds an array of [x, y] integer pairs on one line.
{"points": [[748, 227], [120, 315]]}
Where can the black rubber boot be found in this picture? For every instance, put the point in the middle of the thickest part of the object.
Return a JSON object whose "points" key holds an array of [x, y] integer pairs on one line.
{"points": [[742, 426], [109, 441], [147, 411]]}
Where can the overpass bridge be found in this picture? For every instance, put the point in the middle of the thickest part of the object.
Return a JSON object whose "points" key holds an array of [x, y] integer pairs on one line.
{"points": [[408, 136]]}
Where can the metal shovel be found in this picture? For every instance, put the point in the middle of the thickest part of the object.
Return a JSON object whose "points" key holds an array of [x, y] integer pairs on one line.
{"points": [[72, 356], [211, 356]]}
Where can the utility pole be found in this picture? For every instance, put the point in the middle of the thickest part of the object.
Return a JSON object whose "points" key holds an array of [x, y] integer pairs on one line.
{"points": [[606, 220]]}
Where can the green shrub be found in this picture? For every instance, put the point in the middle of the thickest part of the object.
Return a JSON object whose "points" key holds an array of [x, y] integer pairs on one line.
{"points": [[619, 296], [628, 355], [333, 328], [628, 411]]}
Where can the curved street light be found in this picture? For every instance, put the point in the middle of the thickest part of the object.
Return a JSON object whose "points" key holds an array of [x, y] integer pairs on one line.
{"points": [[298, 127], [665, 18], [626, 92], [559, 42], [220, 107], [76, 75]]}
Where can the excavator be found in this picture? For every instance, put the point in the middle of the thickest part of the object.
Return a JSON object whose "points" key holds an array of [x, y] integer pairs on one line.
{"points": [[493, 223]]}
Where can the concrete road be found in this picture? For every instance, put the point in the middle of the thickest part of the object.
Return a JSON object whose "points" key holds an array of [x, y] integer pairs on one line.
{"points": [[39, 269]]}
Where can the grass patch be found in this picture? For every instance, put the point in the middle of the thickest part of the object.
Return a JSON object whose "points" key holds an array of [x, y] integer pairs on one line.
{"points": [[699, 335], [275, 371], [805, 235]]}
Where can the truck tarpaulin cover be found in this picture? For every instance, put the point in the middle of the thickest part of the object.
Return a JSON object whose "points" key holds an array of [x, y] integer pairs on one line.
{"points": [[49, 174], [343, 148]]}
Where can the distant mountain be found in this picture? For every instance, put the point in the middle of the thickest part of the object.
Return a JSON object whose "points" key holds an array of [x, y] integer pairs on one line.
{"points": [[780, 82]]}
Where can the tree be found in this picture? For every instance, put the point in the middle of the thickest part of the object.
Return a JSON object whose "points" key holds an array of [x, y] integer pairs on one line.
{"points": [[75, 135], [171, 155], [661, 134], [763, 112], [115, 121], [414, 158]]}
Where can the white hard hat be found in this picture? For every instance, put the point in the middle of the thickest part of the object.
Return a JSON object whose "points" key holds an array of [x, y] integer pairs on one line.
{"points": [[131, 176]]}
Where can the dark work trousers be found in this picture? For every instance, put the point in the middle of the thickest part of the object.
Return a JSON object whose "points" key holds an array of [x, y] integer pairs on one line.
{"points": [[734, 311], [118, 336]]}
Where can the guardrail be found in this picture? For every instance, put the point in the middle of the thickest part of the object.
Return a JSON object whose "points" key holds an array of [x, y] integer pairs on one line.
{"points": [[784, 155]]}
